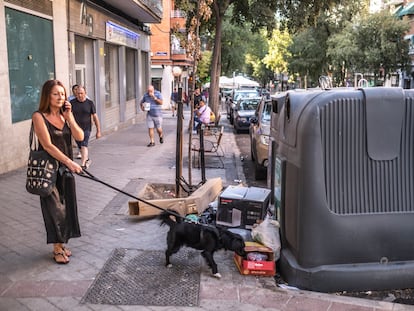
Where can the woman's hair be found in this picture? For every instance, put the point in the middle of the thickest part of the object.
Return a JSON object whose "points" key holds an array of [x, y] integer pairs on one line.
{"points": [[44, 104]]}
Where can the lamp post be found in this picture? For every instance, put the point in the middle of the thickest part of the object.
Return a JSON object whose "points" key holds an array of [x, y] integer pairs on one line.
{"points": [[176, 71]]}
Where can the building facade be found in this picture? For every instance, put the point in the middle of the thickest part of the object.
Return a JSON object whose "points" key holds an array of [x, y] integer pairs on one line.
{"points": [[167, 52], [104, 45]]}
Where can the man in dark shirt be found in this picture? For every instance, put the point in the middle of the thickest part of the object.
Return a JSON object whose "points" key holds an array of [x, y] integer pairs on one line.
{"points": [[84, 111], [197, 98]]}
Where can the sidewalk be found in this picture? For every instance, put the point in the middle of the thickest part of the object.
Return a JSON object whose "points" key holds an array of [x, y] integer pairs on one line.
{"points": [[30, 280]]}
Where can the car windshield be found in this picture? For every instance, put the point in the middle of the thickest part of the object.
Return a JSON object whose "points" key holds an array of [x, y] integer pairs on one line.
{"points": [[266, 112], [239, 95], [248, 105]]}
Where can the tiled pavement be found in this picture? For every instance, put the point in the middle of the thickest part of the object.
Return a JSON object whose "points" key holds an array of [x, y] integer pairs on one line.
{"points": [[30, 280]]}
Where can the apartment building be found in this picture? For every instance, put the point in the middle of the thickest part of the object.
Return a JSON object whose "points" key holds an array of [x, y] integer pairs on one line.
{"points": [[168, 52], [102, 44]]}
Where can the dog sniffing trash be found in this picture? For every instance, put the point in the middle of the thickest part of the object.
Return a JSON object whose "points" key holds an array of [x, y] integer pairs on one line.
{"points": [[204, 237]]}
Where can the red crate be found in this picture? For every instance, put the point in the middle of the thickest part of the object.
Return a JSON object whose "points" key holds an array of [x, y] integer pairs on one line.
{"points": [[249, 267]]}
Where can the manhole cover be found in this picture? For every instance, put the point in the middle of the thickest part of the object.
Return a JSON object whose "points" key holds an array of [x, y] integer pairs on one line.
{"points": [[139, 277]]}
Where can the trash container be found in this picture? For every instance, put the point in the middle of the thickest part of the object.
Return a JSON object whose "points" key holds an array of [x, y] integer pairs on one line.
{"points": [[344, 183]]}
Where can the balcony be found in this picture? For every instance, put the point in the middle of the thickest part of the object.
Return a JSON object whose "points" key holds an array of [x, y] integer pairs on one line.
{"points": [[178, 19], [145, 11], [178, 51]]}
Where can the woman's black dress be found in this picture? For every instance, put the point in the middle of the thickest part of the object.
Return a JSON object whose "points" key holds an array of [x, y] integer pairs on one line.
{"points": [[59, 209]]}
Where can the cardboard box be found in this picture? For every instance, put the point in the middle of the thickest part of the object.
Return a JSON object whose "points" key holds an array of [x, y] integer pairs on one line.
{"points": [[197, 202], [242, 206], [249, 267]]}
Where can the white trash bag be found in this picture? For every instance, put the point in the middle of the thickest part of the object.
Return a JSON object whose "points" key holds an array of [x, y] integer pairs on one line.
{"points": [[267, 233]]}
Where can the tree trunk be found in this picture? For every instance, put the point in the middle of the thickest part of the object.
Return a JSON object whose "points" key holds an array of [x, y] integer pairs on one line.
{"points": [[219, 9]]}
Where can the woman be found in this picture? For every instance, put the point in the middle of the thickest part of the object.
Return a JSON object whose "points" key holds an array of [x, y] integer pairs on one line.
{"points": [[54, 124]]}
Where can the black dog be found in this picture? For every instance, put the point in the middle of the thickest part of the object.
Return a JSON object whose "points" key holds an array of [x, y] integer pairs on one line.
{"points": [[203, 237]]}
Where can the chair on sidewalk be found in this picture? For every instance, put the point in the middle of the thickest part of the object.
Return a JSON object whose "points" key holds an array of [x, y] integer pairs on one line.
{"points": [[212, 145]]}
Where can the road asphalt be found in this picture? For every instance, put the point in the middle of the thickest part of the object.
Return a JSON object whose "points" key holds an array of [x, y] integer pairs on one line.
{"points": [[30, 280]]}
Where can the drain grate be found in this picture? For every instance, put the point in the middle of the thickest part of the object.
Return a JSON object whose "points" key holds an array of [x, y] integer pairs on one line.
{"points": [[139, 277]]}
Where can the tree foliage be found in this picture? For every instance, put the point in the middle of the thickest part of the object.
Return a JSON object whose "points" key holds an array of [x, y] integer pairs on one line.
{"points": [[278, 43], [258, 14], [307, 54], [204, 66], [234, 45], [242, 51], [370, 44]]}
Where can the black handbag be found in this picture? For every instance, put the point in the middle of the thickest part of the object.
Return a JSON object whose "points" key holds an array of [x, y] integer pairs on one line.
{"points": [[42, 169]]}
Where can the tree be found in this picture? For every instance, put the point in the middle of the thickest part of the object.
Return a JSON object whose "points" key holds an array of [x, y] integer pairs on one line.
{"points": [[375, 43], [306, 54], [204, 66], [234, 44], [277, 54], [259, 13], [243, 50]]}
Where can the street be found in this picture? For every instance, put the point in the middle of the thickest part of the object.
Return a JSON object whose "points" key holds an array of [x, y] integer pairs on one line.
{"points": [[243, 142]]}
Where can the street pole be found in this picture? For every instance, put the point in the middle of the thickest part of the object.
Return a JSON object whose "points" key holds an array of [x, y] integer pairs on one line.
{"points": [[179, 146], [202, 158], [179, 141]]}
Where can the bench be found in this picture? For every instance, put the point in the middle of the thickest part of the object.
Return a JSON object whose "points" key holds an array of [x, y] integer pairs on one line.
{"points": [[212, 146]]}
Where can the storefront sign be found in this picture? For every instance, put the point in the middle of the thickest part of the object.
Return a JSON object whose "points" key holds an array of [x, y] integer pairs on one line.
{"points": [[121, 35], [86, 18]]}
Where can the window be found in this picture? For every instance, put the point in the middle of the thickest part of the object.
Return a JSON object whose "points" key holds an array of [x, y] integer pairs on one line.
{"points": [[30, 59], [111, 76], [130, 73], [267, 110]]}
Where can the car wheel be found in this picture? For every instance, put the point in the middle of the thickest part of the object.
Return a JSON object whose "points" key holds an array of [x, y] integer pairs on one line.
{"points": [[260, 172]]}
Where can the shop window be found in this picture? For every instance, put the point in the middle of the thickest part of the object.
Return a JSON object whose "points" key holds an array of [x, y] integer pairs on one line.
{"points": [[30, 59], [84, 64], [111, 76], [130, 73]]}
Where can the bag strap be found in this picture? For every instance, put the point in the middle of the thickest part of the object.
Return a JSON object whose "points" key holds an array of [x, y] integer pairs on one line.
{"points": [[32, 139]]}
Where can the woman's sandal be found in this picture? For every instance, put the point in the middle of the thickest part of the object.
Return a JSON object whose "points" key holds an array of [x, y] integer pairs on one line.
{"points": [[67, 251], [60, 258]]}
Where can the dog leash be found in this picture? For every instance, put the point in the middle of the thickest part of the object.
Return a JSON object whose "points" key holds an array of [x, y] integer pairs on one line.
{"points": [[88, 175]]}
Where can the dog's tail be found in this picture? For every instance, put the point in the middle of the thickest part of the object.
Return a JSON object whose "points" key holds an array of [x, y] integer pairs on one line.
{"points": [[165, 218]]}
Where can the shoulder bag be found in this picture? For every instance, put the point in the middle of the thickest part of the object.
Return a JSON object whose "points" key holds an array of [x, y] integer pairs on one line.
{"points": [[42, 169]]}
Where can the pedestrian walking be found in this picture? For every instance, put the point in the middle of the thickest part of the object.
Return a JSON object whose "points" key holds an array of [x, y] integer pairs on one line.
{"points": [[74, 89], [151, 102], [54, 125], [84, 111]]}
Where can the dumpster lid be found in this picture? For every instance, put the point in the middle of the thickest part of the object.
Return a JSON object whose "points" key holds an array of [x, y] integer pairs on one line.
{"points": [[384, 116]]}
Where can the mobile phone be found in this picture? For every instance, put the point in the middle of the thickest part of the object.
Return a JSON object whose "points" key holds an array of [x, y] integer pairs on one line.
{"points": [[63, 108]]}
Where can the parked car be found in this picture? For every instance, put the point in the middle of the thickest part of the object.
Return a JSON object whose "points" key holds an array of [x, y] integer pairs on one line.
{"points": [[243, 110], [232, 100], [259, 132]]}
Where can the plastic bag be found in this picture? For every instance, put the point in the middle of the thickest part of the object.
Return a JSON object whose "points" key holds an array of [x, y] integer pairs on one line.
{"points": [[267, 233], [255, 256]]}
